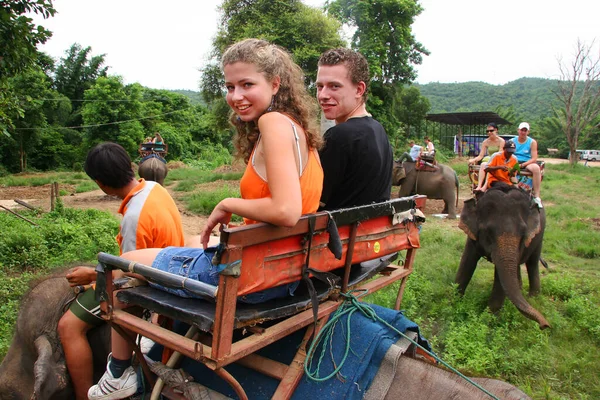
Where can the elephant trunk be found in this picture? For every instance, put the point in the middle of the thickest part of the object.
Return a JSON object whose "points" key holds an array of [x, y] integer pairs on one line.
{"points": [[506, 260]]}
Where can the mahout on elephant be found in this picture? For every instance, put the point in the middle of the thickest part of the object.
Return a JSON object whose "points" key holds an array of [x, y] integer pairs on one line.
{"points": [[440, 183], [34, 367], [153, 168], [506, 227]]}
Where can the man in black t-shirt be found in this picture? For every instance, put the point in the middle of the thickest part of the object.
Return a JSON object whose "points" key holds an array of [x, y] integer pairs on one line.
{"points": [[357, 157]]}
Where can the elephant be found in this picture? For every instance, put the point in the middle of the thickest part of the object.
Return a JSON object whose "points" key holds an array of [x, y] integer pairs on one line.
{"points": [[153, 168], [441, 184], [34, 367], [504, 226]]}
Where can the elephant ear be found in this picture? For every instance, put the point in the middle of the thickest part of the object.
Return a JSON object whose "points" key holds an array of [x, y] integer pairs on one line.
{"points": [[534, 225], [50, 377], [468, 219], [398, 173]]}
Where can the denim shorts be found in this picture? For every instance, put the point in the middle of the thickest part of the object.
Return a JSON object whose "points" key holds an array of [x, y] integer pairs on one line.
{"points": [[196, 263]]}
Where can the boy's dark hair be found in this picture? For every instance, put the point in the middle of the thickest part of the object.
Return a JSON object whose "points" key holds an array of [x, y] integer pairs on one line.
{"points": [[493, 125], [109, 164], [358, 67]]}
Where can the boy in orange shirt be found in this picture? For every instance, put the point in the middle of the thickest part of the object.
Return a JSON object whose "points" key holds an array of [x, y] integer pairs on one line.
{"points": [[502, 165]]}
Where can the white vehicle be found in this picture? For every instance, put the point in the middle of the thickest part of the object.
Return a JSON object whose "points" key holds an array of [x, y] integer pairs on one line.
{"points": [[590, 155]]}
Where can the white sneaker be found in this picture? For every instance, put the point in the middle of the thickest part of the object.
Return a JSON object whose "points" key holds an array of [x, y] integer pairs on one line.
{"points": [[538, 202], [111, 388], [146, 344]]}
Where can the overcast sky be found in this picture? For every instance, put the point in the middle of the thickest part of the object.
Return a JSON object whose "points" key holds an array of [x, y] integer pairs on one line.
{"points": [[164, 44]]}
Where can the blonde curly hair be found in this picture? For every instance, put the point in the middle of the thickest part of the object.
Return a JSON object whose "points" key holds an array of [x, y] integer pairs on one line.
{"points": [[292, 98]]}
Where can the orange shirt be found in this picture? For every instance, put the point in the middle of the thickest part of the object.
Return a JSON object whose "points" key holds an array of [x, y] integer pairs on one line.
{"points": [[252, 186], [497, 160], [150, 219]]}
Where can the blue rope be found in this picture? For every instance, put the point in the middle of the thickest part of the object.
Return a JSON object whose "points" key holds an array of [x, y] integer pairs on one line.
{"points": [[351, 305]]}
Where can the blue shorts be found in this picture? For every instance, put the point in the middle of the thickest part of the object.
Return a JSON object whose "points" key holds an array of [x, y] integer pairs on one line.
{"points": [[196, 263]]}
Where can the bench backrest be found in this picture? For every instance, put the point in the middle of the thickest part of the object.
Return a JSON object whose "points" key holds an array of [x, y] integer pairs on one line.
{"points": [[265, 256]]}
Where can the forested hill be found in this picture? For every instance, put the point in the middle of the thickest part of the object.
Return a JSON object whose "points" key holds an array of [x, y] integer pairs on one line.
{"points": [[530, 98]]}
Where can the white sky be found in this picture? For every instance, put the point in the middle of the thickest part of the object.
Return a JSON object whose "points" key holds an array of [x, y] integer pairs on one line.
{"points": [[164, 44]]}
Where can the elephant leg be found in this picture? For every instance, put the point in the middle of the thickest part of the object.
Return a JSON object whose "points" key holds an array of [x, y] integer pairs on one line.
{"points": [[533, 271], [468, 262], [498, 295]]}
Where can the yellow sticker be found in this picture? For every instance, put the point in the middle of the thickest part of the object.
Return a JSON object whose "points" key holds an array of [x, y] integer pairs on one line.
{"points": [[376, 247]]}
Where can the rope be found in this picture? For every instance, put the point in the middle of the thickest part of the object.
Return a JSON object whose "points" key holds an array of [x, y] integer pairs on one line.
{"points": [[351, 305]]}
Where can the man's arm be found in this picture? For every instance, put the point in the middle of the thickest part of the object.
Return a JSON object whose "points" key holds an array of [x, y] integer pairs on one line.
{"points": [[534, 154]]}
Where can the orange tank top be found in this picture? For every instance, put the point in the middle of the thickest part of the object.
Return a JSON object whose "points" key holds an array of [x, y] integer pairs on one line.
{"points": [[253, 186]]}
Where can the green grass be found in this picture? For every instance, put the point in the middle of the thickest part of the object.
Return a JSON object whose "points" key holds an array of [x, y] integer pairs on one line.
{"points": [[558, 363], [204, 202], [28, 252]]}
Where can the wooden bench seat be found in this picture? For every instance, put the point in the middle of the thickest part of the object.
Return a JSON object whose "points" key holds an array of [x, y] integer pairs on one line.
{"points": [[355, 244]]}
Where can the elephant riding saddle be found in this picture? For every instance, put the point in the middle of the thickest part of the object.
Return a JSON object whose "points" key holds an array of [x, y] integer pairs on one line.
{"points": [[426, 163]]}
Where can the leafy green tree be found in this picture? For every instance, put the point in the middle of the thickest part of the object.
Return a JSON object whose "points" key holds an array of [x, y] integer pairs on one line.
{"points": [[33, 86], [75, 74], [18, 49], [112, 112], [383, 34], [304, 31]]}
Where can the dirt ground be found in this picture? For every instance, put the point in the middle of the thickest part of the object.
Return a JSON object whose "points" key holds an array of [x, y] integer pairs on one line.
{"points": [[192, 224], [40, 197]]}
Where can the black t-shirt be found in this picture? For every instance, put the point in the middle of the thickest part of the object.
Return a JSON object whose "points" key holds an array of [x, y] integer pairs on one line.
{"points": [[357, 162]]}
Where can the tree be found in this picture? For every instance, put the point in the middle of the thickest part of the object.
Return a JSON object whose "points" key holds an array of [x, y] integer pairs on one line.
{"points": [[383, 34], [18, 49], [578, 93], [304, 31], [112, 112], [75, 74]]}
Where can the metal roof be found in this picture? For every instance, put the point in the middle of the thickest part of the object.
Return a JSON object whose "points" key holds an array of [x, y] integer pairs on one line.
{"points": [[468, 118]]}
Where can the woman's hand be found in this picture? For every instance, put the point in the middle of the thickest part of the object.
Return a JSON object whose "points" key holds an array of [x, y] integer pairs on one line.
{"points": [[219, 216], [80, 276]]}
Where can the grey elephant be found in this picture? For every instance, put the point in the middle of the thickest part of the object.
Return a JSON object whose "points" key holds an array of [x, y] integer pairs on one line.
{"points": [[153, 168], [504, 226], [441, 184], [34, 367]]}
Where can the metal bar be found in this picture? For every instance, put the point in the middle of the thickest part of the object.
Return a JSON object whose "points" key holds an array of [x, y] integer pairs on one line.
{"points": [[224, 317], [158, 276], [174, 341], [349, 254], [265, 366], [272, 334], [290, 381], [408, 265]]}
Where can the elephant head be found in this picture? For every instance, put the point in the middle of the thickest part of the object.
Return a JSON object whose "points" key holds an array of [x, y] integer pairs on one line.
{"points": [[34, 367], [153, 169], [399, 172], [504, 226]]}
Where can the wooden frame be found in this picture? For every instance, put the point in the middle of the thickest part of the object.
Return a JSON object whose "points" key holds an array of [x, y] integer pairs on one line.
{"points": [[366, 233]]}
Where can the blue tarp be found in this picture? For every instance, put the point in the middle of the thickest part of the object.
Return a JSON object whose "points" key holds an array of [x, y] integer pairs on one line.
{"points": [[369, 341]]}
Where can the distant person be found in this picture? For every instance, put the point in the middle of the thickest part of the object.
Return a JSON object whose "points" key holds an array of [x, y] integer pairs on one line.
{"points": [[429, 147], [458, 145], [527, 154], [502, 165], [150, 219], [489, 146], [413, 154], [357, 157]]}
